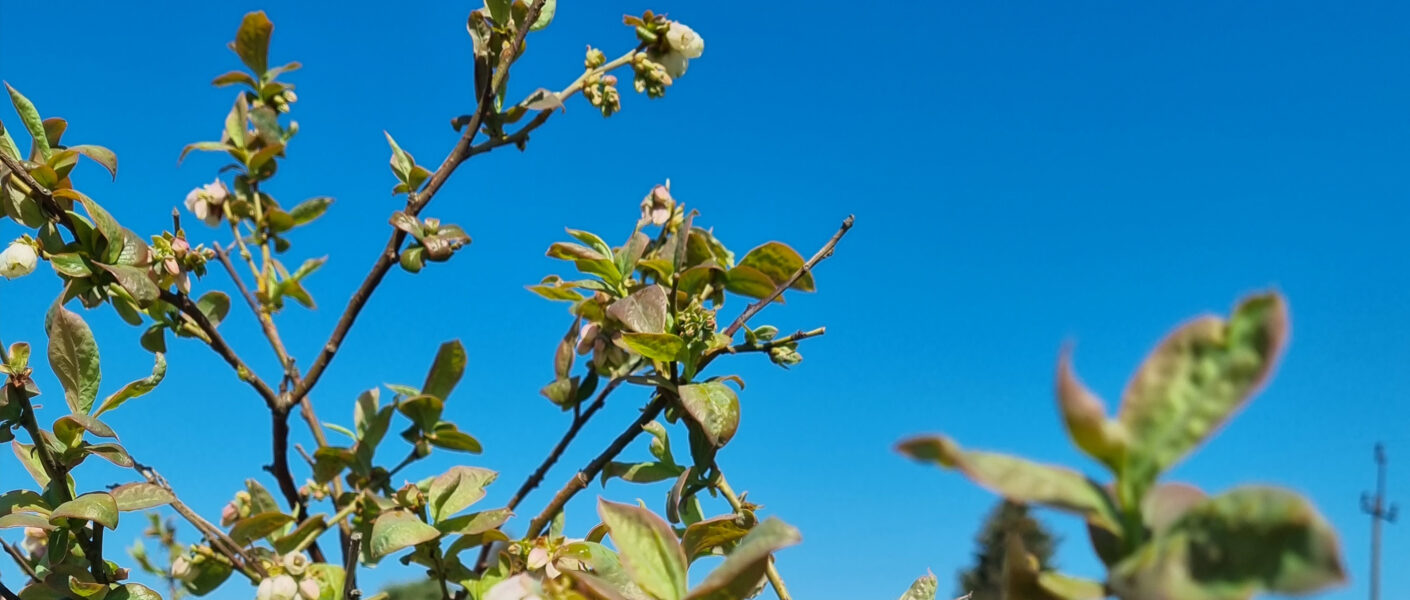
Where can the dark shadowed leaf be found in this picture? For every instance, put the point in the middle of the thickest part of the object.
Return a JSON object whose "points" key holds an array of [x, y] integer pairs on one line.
{"points": [[136, 281]]}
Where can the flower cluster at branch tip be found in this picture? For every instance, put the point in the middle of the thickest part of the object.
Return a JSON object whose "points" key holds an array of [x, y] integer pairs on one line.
{"points": [[296, 582], [683, 44], [208, 202], [19, 259], [174, 260], [237, 509]]}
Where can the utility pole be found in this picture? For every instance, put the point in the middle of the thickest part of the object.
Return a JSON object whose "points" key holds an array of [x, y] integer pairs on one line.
{"points": [[1379, 511]]}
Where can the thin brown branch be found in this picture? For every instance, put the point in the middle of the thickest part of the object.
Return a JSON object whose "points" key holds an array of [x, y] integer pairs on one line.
{"points": [[266, 321], [350, 555], [580, 479], [807, 267], [537, 476], [217, 343], [770, 571], [20, 560], [589, 472], [221, 542], [285, 478], [463, 150], [92, 544], [776, 342]]}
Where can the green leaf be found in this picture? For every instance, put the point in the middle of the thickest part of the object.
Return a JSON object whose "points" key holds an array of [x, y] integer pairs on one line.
{"points": [[330, 580], [132, 591], [648, 547], [1085, 417], [545, 15], [137, 281], [98, 507], [257, 526], [744, 568], [234, 77], [1064, 587], [261, 501], [664, 347], [446, 370], [1195, 379], [329, 461], [748, 281], [15, 501], [136, 389], [70, 264], [310, 209], [451, 438], [32, 123], [203, 147], [112, 453], [309, 528], [1246, 541], [922, 589], [456, 490], [24, 519], [141, 496], [715, 407], [778, 262], [424, 410], [644, 311], [69, 425], [475, 523], [252, 42], [1018, 479], [105, 223], [705, 537], [398, 529], [402, 162], [73, 354], [644, 472], [100, 155], [215, 306], [499, 11]]}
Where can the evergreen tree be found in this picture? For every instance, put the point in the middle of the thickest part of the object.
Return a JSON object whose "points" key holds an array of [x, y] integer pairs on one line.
{"points": [[985, 579]]}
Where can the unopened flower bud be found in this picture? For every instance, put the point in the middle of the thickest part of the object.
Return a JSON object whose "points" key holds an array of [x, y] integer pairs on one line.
{"points": [[295, 563], [595, 58], [18, 260], [282, 587], [309, 589]]}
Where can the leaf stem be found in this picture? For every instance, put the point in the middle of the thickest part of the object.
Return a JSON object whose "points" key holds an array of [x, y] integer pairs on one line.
{"points": [[770, 570]]}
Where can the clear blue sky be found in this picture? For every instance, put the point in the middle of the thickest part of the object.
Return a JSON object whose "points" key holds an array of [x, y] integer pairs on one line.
{"points": [[1022, 175]]}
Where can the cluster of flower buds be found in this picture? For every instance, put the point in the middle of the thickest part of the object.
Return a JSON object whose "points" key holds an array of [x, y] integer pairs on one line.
{"points": [[19, 259], [282, 100], [697, 323], [294, 583], [174, 260], [651, 76], [237, 509], [601, 92], [208, 202], [314, 490]]}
